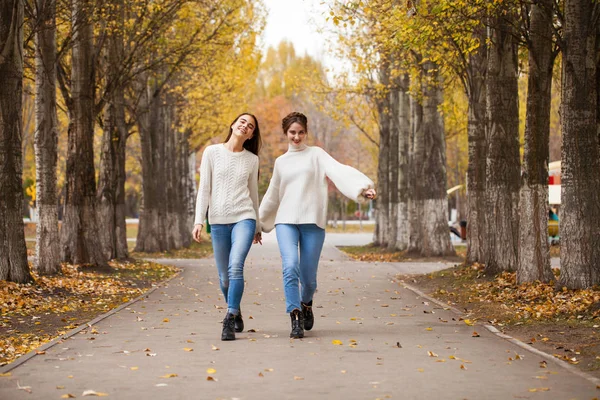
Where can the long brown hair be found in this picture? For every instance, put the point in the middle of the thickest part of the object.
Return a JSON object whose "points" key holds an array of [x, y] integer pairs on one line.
{"points": [[254, 144]]}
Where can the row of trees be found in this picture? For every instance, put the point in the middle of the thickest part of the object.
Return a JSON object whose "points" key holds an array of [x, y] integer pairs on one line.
{"points": [[409, 52], [167, 70]]}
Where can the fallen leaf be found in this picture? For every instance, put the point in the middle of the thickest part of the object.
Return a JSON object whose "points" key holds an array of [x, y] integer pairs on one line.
{"points": [[25, 388], [420, 370], [429, 329], [134, 368], [169, 376], [188, 349], [432, 354], [214, 348], [268, 369], [260, 374], [94, 393], [161, 385], [210, 378], [298, 378], [67, 396], [469, 322], [166, 320], [211, 371], [475, 334], [336, 342], [60, 387], [6, 374], [463, 367]]}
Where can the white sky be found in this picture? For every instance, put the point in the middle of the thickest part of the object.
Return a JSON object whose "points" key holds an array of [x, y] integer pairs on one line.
{"points": [[298, 22]]}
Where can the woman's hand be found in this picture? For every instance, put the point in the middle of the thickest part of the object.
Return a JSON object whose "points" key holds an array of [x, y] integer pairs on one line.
{"points": [[197, 232], [257, 238], [370, 194]]}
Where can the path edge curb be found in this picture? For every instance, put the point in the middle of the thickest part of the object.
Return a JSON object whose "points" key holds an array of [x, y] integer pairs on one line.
{"points": [[509, 338], [59, 339]]}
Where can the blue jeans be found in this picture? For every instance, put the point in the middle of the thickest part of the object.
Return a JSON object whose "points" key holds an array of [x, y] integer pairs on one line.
{"points": [[300, 247], [231, 244]]}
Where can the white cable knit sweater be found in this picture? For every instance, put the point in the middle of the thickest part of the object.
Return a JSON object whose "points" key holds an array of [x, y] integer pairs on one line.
{"points": [[228, 186], [297, 193]]}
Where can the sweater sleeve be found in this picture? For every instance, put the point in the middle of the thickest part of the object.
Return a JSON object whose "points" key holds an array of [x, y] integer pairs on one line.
{"points": [[203, 197], [349, 181], [253, 187], [270, 203]]}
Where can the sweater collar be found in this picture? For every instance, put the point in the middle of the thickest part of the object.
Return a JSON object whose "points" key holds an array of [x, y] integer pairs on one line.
{"points": [[300, 147]]}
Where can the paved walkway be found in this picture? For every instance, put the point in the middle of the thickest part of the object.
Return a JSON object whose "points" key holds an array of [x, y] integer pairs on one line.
{"points": [[373, 339]]}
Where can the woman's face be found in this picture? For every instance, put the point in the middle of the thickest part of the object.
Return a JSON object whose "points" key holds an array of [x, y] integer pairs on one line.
{"points": [[244, 127], [296, 134]]}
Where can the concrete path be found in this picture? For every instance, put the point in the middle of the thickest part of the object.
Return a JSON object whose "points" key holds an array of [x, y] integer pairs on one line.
{"points": [[373, 339]]}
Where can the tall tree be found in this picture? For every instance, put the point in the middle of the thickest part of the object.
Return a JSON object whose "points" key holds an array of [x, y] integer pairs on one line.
{"points": [[428, 200], [503, 170], [580, 209], [79, 230], [47, 259], [534, 258], [13, 252], [111, 181]]}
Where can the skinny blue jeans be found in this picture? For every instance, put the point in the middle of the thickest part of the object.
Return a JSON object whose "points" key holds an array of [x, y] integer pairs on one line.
{"points": [[300, 247], [231, 244]]}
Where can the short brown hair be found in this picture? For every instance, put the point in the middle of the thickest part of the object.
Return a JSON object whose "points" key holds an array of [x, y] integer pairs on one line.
{"points": [[294, 117]]}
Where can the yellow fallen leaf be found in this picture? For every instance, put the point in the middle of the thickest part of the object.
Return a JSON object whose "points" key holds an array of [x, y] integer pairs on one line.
{"points": [[6, 374], [211, 371], [420, 370], [268, 369], [452, 357], [428, 329], [469, 322], [67, 396], [214, 348], [298, 378], [440, 360], [188, 349], [60, 387], [169, 376], [432, 354], [260, 374], [336, 342], [134, 368], [166, 320], [190, 341]]}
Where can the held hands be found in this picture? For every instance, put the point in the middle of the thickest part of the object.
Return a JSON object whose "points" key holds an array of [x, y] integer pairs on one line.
{"points": [[257, 238], [370, 194], [197, 232]]}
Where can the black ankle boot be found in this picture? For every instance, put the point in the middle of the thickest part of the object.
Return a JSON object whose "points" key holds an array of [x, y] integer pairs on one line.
{"points": [[297, 324], [309, 317], [228, 327], [239, 322]]}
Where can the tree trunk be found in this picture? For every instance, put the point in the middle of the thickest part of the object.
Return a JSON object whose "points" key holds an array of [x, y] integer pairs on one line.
{"points": [[13, 252], [580, 177], [111, 182], [476, 95], [534, 256], [46, 141], [403, 108], [381, 234], [153, 213], [79, 233], [393, 164], [430, 233], [503, 171]]}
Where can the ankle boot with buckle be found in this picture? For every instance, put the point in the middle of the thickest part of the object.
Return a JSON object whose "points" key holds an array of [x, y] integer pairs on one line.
{"points": [[228, 327], [309, 317], [297, 324], [239, 322]]}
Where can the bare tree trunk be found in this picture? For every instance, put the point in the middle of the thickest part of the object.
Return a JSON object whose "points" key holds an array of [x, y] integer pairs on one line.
{"points": [[580, 210], [111, 182], [503, 172], [382, 207], [393, 173], [476, 94], [430, 234], [153, 213], [79, 231], [47, 248], [534, 256], [403, 220], [13, 252]]}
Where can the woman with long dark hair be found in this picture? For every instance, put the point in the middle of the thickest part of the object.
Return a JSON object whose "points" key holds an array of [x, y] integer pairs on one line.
{"points": [[228, 191]]}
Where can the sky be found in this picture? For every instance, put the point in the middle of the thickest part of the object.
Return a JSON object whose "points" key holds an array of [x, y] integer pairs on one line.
{"points": [[298, 22]]}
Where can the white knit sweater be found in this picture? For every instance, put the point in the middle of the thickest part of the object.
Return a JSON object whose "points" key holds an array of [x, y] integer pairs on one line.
{"points": [[228, 186], [297, 193]]}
